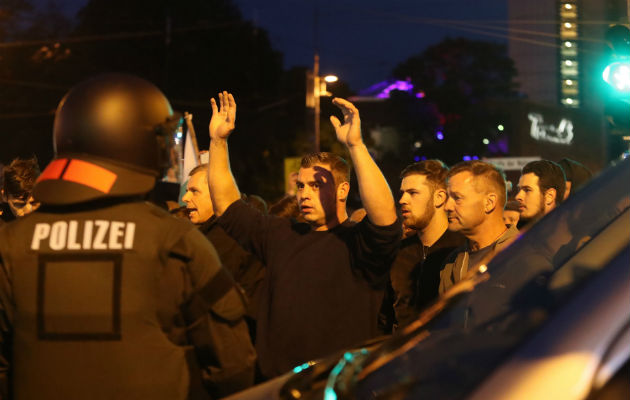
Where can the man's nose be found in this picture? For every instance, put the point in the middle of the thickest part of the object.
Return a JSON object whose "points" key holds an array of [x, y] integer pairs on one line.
{"points": [[519, 196], [186, 197], [449, 204], [306, 192]]}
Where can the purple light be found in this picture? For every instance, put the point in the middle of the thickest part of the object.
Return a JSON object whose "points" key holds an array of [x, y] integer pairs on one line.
{"points": [[420, 95], [467, 158], [416, 158], [475, 157], [439, 135], [397, 85], [423, 158]]}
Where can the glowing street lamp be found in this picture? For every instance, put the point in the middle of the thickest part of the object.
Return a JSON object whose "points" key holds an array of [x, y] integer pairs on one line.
{"points": [[316, 88]]}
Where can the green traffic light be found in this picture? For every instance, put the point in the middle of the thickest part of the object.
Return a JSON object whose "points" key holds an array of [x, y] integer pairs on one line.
{"points": [[617, 75]]}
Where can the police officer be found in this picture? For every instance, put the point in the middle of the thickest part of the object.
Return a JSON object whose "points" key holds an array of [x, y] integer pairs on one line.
{"points": [[103, 295]]}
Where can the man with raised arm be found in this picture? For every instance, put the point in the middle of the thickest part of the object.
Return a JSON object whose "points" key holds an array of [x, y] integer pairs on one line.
{"points": [[325, 278]]}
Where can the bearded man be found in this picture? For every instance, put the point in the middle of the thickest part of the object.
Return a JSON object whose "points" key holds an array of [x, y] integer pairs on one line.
{"points": [[415, 274]]}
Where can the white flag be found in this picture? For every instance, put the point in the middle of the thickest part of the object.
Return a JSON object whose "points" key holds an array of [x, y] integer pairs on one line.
{"points": [[190, 158]]}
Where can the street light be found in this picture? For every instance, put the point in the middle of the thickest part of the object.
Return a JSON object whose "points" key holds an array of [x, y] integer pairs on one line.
{"points": [[316, 88]]}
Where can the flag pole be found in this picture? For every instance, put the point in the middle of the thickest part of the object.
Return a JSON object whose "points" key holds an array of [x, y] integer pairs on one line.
{"points": [[193, 136]]}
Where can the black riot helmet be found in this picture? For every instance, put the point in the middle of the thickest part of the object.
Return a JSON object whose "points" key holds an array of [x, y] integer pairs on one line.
{"points": [[112, 136]]}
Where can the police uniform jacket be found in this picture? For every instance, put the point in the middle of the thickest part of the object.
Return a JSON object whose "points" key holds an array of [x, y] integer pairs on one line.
{"points": [[116, 299]]}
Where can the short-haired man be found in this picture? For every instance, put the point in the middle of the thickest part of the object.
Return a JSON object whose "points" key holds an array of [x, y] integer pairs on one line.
{"points": [[415, 274], [540, 189], [17, 186], [325, 278], [477, 196], [246, 269]]}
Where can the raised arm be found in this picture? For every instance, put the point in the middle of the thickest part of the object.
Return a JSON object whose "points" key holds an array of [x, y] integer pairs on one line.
{"points": [[375, 193], [223, 188]]}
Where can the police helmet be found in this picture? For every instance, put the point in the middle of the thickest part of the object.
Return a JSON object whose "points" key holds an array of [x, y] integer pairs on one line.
{"points": [[112, 136]]}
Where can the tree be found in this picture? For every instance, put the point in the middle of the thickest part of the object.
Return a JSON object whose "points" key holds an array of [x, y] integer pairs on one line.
{"points": [[190, 48], [458, 77]]}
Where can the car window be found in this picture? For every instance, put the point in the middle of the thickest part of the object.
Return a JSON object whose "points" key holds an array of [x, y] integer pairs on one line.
{"points": [[525, 285]]}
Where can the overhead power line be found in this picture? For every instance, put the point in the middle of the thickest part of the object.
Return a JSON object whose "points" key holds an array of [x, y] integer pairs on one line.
{"points": [[111, 36]]}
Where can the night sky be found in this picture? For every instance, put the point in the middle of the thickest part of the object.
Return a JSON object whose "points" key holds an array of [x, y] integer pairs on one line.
{"points": [[361, 41]]}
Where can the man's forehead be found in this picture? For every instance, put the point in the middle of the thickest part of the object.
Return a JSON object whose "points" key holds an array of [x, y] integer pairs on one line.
{"points": [[314, 172], [528, 179], [198, 178], [461, 179], [414, 181]]}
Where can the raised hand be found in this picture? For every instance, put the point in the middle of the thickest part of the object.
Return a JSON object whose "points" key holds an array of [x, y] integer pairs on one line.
{"points": [[223, 117], [348, 133]]}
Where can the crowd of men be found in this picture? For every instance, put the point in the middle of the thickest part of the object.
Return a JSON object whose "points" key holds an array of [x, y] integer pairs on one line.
{"points": [[252, 293]]}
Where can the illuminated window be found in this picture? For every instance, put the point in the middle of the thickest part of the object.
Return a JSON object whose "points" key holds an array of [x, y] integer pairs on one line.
{"points": [[569, 88], [568, 53], [569, 70]]}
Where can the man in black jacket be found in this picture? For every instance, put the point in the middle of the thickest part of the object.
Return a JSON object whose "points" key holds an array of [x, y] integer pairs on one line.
{"points": [[103, 295], [415, 274]]}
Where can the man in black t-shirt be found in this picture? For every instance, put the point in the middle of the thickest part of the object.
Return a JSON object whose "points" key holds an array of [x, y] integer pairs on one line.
{"points": [[325, 278]]}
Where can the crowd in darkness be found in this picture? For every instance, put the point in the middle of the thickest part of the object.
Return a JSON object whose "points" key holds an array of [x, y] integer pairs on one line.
{"points": [[314, 277]]}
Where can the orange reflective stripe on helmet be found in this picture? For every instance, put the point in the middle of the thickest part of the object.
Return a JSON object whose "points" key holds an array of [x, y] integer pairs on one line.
{"points": [[82, 172]]}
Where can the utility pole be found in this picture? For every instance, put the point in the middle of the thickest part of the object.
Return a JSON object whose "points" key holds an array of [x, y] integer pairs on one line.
{"points": [[316, 94], [315, 90]]}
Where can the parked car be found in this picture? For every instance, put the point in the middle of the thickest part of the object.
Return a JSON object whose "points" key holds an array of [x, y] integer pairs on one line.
{"points": [[548, 318]]}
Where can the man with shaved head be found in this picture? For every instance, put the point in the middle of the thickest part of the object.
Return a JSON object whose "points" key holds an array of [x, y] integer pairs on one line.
{"points": [[476, 199]]}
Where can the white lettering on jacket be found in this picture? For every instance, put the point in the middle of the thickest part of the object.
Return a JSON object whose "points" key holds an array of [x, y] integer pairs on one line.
{"points": [[84, 235]]}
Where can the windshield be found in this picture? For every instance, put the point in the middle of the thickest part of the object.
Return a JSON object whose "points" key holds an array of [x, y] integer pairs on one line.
{"points": [[524, 285]]}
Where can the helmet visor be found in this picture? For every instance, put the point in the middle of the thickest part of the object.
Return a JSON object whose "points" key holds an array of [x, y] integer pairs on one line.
{"points": [[172, 152]]}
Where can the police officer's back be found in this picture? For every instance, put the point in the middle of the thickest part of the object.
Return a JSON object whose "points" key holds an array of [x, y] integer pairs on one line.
{"points": [[103, 295]]}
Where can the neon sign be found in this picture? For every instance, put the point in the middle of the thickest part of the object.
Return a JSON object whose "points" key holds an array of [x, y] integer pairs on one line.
{"points": [[561, 134]]}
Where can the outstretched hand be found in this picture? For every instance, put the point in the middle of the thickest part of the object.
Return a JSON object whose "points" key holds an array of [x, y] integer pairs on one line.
{"points": [[348, 133], [223, 117]]}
